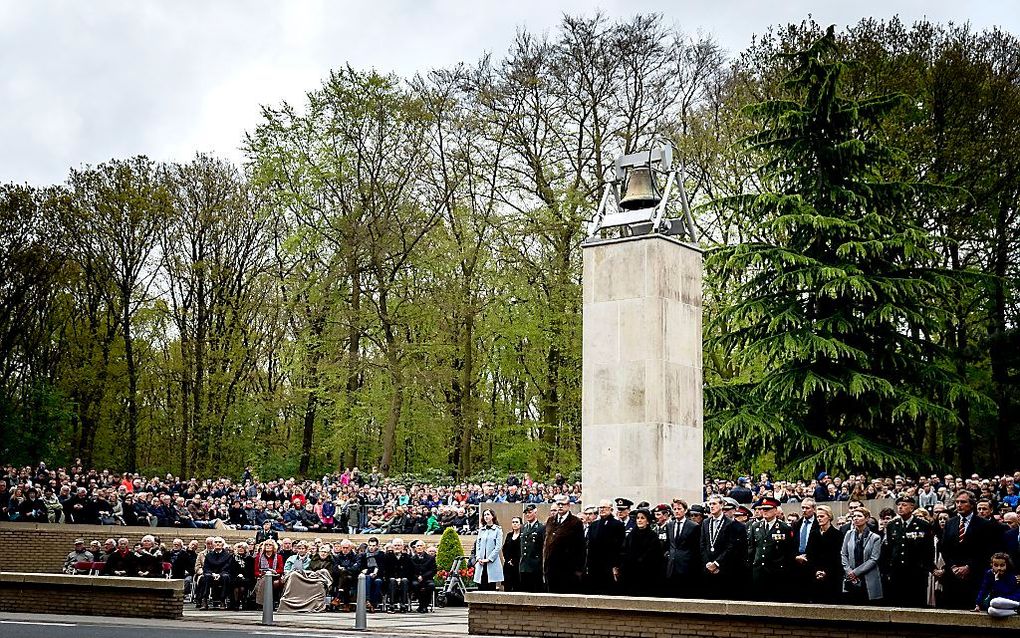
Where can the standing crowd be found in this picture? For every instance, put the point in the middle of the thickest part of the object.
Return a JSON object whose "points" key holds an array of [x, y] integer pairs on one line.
{"points": [[909, 557]]}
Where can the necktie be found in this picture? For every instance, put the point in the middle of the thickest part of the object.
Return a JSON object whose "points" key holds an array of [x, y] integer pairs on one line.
{"points": [[805, 527], [963, 527], [679, 528]]}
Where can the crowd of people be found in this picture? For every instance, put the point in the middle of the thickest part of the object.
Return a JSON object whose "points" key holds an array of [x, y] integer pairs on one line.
{"points": [[961, 557], [949, 541], [306, 576]]}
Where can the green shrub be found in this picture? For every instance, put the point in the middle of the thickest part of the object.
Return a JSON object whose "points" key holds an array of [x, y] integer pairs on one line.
{"points": [[449, 549]]}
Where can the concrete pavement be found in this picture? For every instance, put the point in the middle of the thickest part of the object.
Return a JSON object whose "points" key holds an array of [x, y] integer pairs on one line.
{"points": [[443, 623]]}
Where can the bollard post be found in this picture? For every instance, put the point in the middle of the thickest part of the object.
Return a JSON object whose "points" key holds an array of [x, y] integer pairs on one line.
{"points": [[360, 616], [267, 598]]}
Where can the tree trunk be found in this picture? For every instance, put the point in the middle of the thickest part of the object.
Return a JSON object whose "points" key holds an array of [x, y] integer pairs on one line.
{"points": [[1002, 451], [131, 444]]}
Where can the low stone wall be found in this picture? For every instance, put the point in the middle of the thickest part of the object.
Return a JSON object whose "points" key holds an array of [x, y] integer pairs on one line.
{"points": [[42, 547], [575, 616], [91, 595]]}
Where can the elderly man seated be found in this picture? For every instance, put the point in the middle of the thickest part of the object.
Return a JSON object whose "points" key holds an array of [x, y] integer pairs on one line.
{"points": [[217, 569], [78, 555]]}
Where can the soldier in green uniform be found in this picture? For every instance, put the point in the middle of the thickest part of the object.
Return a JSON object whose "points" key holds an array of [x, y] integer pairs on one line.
{"points": [[771, 548], [909, 551], [532, 540]]}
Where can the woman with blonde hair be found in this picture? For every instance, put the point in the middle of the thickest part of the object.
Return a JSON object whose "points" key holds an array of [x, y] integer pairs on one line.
{"points": [[824, 556], [268, 561]]}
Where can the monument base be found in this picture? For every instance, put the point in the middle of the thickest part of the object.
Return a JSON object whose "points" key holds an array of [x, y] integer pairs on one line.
{"points": [[641, 423]]}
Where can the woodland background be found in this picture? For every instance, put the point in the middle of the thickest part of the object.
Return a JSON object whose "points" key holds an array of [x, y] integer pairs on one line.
{"points": [[392, 278]]}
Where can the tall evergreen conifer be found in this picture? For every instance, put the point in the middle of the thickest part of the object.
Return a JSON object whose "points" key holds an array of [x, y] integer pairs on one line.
{"points": [[830, 333]]}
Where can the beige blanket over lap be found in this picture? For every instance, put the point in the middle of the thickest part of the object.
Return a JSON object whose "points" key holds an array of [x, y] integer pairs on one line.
{"points": [[304, 591]]}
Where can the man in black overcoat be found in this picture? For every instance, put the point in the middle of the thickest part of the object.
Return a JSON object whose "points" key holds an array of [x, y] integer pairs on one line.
{"points": [[605, 542], [967, 545], [563, 553]]}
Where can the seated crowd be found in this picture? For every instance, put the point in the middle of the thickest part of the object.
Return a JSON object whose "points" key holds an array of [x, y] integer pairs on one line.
{"points": [[306, 576], [948, 541]]}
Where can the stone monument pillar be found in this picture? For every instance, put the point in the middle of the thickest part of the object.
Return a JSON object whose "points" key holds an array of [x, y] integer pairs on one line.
{"points": [[642, 406]]}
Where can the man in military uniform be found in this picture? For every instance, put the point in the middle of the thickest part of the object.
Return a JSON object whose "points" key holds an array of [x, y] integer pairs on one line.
{"points": [[532, 540], [663, 515], [771, 547], [909, 552], [623, 506]]}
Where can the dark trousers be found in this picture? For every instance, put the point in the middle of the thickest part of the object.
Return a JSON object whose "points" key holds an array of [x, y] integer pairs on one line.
{"points": [[423, 591], [907, 589], [216, 588], [399, 591], [531, 582]]}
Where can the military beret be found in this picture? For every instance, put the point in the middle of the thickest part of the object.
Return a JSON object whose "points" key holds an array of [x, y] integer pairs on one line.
{"points": [[624, 503], [662, 507]]}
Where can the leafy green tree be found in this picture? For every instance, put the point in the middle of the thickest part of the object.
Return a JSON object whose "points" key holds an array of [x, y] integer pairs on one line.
{"points": [[830, 302]]}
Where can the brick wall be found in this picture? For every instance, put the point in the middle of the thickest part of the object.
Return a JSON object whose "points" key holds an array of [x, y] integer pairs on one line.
{"points": [[91, 596], [41, 548], [548, 616]]}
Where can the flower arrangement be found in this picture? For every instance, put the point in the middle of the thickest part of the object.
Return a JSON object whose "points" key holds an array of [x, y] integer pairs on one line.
{"points": [[466, 573]]}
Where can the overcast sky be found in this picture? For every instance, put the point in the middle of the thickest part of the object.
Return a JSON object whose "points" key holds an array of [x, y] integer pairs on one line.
{"points": [[83, 81]]}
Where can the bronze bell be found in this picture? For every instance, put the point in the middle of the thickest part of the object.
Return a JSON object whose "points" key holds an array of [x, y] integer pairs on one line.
{"points": [[641, 191]]}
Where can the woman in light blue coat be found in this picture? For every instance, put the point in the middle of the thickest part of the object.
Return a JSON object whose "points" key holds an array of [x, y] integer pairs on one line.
{"points": [[488, 567], [862, 548]]}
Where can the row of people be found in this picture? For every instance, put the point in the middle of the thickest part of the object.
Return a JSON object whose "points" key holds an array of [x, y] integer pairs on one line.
{"points": [[224, 576], [725, 550]]}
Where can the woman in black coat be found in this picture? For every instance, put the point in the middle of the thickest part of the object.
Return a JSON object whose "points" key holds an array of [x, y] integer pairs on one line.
{"points": [[642, 564], [824, 558], [512, 556]]}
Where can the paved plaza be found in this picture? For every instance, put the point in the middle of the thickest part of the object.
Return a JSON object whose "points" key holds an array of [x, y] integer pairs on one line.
{"points": [[443, 622]]}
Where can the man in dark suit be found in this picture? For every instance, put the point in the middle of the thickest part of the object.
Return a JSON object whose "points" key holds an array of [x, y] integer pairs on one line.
{"points": [[683, 554], [723, 545], [967, 545], [1011, 537], [804, 575], [532, 540], [605, 542], [563, 553]]}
